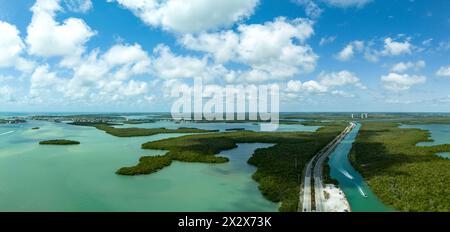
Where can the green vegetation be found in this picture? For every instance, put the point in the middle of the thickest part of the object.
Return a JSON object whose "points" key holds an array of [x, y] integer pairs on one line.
{"points": [[226, 121], [59, 142], [406, 118], [323, 123], [235, 129], [93, 124], [13, 120], [135, 132], [92, 118], [327, 179], [326, 195], [425, 120], [279, 168], [139, 121], [404, 176], [147, 165], [336, 116]]}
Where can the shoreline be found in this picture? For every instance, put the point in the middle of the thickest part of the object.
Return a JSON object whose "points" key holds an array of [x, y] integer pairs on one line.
{"points": [[337, 201]]}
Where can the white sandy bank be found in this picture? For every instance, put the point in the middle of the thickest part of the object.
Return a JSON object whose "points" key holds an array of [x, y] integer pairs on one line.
{"points": [[335, 200]]}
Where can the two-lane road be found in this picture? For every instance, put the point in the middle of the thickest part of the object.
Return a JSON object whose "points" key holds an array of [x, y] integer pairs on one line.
{"points": [[314, 171], [307, 188]]}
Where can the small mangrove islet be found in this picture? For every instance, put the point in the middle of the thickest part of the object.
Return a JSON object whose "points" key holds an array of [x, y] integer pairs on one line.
{"points": [[59, 142]]}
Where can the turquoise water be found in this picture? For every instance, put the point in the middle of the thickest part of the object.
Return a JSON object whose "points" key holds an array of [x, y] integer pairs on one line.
{"points": [[358, 193], [439, 133], [82, 178], [444, 155]]}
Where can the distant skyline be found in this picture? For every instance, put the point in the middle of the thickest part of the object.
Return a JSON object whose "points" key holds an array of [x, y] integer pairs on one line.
{"points": [[127, 55]]}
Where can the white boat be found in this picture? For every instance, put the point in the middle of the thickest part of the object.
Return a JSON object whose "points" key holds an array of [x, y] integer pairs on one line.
{"points": [[361, 191], [346, 174]]}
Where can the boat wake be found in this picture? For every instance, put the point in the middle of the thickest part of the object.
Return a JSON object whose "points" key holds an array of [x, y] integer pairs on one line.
{"points": [[346, 174], [361, 191], [9, 132]]}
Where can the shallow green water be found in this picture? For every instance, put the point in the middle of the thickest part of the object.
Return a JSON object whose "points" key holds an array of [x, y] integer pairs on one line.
{"points": [[82, 178], [444, 155], [358, 193], [439, 133]]}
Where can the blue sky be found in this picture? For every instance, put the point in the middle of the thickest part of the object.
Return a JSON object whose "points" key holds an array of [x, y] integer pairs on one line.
{"points": [[325, 55]]}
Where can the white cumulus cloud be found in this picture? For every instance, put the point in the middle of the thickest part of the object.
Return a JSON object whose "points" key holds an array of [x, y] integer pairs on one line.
{"points": [[327, 40], [42, 77], [281, 54], [347, 3], [349, 51], [108, 72], [79, 6], [395, 48], [405, 66], [341, 78], [6, 93], [400, 82], [11, 48], [314, 87], [390, 47], [169, 65], [444, 71], [46, 85], [342, 93], [312, 10], [190, 16], [47, 37], [308, 87], [327, 83]]}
